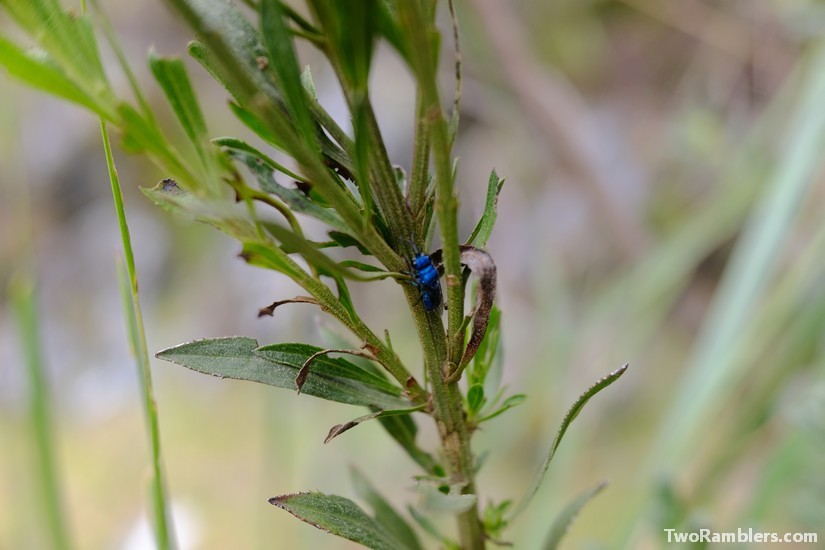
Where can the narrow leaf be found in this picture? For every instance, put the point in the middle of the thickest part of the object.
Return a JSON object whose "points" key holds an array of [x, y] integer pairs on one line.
{"points": [[404, 430], [141, 135], [263, 168], [389, 27], [339, 516], [338, 429], [567, 516], [218, 214], [486, 367], [258, 126], [484, 227], [571, 415], [284, 63], [294, 243], [308, 84], [69, 39], [509, 403], [38, 71], [171, 75], [240, 358], [435, 502], [363, 267], [384, 513], [475, 398], [345, 239]]}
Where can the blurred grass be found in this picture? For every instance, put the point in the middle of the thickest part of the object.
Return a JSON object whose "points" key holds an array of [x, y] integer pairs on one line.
{"points": [[572, 307], [45, 471]]}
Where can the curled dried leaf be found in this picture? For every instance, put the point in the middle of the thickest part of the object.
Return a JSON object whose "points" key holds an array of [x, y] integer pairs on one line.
{"points": [[481, 264], [270, 309]]}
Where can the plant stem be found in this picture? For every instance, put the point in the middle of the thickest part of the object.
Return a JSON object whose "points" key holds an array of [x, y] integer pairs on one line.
{"points": [[163, 527], [448, 412]]}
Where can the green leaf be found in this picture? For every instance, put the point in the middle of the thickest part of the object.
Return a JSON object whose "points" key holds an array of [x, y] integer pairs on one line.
{"points": [[262, 167], [69, 40], [567, 516], [338, 429], [384, 513], [284, 63], [388, 26], [404, 430], [220, 215], [571, 415], [258, 126], [308, 84], [312, 254], [229, 48], [171, 75], [345, 239], [235, 144], [339, 516], [434, 501], [509, 403], [429, 527], [475, 399], [240, 358], [324, 366], [484, 227], [349, 27], [38, 71], [272, 257], [495, 521], [141, 135], [362, 266], [487, 362], [344, 296]]}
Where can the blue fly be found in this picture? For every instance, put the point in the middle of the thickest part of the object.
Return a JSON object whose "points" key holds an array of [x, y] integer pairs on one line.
{"points": [[426, 279]]}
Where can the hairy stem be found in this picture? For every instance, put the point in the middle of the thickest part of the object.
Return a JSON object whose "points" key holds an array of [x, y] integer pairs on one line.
{"points": [[448, 412]]}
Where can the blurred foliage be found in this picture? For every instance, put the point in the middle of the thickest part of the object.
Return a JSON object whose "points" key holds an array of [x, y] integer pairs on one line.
{"points": [[702, 122]]}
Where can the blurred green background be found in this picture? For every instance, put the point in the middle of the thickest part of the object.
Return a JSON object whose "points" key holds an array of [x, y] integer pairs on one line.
{"points": [[663, 207]]}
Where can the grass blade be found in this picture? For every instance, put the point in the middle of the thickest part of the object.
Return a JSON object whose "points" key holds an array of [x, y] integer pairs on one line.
{"points": [[164, 534], [22, 293]]}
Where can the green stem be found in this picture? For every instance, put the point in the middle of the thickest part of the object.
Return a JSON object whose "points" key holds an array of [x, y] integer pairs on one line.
{"points": [[421, 161], [442, 350], [164, 533], [448, 411]]}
